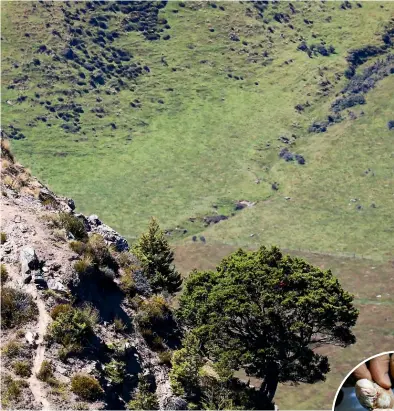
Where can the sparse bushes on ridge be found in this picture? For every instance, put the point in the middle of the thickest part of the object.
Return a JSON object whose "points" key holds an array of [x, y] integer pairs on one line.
{"points": [[17, 307], [86, 387], [22, 368]]}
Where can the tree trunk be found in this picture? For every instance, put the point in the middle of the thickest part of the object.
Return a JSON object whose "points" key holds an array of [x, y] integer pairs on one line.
{"points": [[269, 385]]}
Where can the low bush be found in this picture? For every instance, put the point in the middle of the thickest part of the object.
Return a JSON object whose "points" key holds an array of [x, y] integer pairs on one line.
{"points": [[153, 311], [86, 387], [12, 389], [60, 309], [3, 237], [4, 273], [119, 325], [84, 265], [22, 368], [144, 399], [45, 372], [115, 371], [17, 308], [73, 328], [73, 225], [127, 283], [12, 349], [165, 358], [78, 247]]}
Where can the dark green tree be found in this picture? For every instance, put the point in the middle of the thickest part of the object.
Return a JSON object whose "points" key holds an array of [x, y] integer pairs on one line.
{"points": [[265, 313], [157, 258]]}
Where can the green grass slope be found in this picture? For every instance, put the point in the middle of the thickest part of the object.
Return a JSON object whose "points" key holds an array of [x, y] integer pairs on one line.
{"points": [[182, 139]]}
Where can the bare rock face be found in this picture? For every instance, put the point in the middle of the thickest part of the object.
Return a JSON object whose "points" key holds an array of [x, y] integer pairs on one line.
{"points": [[29, 263]]}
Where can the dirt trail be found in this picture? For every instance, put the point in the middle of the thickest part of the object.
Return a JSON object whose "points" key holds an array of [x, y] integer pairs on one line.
{"points": [[36, 385], [14, 217]]}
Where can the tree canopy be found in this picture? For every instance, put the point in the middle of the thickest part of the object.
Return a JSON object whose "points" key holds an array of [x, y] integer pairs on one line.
{"points": [[266, 312], [156, 256]]}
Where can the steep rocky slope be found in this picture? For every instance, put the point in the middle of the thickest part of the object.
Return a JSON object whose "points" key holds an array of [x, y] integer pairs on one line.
{"points": [[40, 263]]}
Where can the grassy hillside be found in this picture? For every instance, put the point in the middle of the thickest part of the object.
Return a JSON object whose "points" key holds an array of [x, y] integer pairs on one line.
{"points": [[191, 128]]}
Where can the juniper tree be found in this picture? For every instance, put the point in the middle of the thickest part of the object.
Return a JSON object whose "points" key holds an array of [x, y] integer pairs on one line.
{"points": [[157, 258], [265, 313]]}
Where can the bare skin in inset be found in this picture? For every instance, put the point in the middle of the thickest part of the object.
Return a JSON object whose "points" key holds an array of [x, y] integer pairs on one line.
{"points": [[374, 383]]}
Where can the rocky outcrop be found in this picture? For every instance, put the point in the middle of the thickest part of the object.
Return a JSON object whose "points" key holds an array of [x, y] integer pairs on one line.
{"points": [[29, 263], [94, 225]]}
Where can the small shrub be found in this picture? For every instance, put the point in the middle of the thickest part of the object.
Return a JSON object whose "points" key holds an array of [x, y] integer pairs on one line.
{"points": [[73, 328], [127, 260], [98, 250], [127, 283], [4, 273], [78, 247], [84, 265], [68, 351], [22, 368], [12, 349], [60, 309], [3, 237], [119, 325], [144, 399], [165, 358], [17, 307], [73, 225], [46, 371], [116, 372], [153, 311], [86, 387], [13, 388]]}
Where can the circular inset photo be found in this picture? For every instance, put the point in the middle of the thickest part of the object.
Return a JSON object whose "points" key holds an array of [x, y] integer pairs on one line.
{"points": [[368, 386]]}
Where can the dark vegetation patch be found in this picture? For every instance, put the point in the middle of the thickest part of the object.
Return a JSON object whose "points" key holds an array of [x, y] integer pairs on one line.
{"points": [[359, 84], [287, 155], [316, 49]]}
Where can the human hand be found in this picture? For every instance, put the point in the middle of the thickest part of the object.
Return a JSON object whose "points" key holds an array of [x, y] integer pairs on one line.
{"points": [[378, 370], [374, 383]]}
